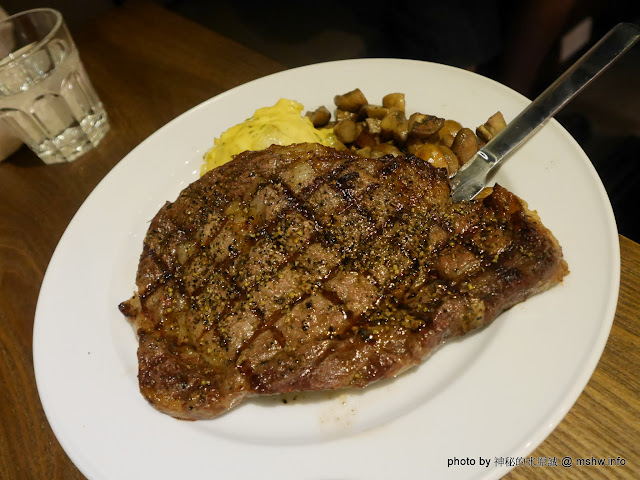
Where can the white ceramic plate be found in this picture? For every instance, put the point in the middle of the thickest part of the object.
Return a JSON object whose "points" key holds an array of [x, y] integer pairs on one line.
{"points": [[497, 393]]}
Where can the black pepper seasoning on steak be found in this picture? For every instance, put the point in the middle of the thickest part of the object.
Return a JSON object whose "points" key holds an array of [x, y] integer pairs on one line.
{"points": [[304, 268]]}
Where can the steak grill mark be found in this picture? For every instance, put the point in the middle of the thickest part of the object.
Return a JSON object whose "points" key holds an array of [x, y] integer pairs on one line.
{"points": [[400, 275], [297, 204]]}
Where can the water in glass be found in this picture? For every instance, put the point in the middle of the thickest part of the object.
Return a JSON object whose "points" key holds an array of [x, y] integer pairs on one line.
{"points": [[47, 98]]}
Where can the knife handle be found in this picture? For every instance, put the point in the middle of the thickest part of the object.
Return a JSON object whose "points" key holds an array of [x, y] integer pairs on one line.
{"points": [[599, 57]]}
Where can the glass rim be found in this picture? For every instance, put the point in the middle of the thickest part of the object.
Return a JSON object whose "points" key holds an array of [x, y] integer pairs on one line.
{"points": [[35, 46]]}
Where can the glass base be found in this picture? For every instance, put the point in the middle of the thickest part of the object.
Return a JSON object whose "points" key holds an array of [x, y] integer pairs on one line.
{"points": [[75, 141]]}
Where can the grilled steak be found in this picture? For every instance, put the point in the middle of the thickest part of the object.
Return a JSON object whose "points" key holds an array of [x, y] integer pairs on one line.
{"points": [[304, 268]]}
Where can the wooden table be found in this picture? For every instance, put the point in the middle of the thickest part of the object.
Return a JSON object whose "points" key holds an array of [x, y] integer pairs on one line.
{"points": [[145, 79]]}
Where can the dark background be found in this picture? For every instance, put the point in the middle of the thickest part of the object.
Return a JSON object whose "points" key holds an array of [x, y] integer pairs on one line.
{"points": [[515, 43]]}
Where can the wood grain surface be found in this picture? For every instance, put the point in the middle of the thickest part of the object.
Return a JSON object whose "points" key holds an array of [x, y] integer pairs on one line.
{"points": [[145, 79], [605, 421]]}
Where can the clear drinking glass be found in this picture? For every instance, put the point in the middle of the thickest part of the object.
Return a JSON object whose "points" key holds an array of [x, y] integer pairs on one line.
{"points": [[45, 94]]}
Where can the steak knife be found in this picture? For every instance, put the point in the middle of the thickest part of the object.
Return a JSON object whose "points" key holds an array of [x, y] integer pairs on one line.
{"points": [[472, 176]]}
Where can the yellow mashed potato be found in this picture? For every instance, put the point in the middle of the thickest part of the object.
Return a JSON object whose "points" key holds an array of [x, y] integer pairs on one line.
{"points": [[281, 124]]}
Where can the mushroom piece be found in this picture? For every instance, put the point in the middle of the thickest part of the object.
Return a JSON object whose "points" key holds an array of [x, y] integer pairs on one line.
{"points": [[432, 154], [394, 101], [451, 128], [320, 116], [352, 101], [394, 125], [423, 126], [374, 125], [365, 139], [447, 140], [344, 115], [465, 145], [450, 158], [338, 145], [413, 144], [374, 111], [364, 152], [346, 131], [492, 127], [401, 132], [385, 149]]}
